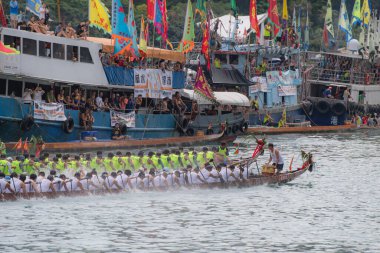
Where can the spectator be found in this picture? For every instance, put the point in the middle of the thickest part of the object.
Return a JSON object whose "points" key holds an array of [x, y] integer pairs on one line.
{"points": [[327, 93], [42, 12], [179, 105], [81, 29], [61, 97], [47, 15], [70, 31], [99, 101], [138, 102], [37, 93], [130, 104], [106, 105], [51, 97], [58, 29], [27, 95], [68, 101], [13, 6]]}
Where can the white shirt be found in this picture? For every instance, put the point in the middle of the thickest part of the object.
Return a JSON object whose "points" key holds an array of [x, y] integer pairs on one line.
{"points": [[38, 95], [57, 184], [98, 181], [27, 96], [3, 184], [28, 185], [122, 180], [275, 159], [99, 102], [194, 178], [226, 174], [213, 172], [110, 181], [45, 185], [42, 12]]}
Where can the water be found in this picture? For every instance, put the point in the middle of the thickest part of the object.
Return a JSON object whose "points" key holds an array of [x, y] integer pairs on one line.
{"points": [[334, 209]]}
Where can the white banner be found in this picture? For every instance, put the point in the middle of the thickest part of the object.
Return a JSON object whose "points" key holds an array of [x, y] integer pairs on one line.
{"points": [[129, 119], [49, 111], [287, 91], [153, 81]]}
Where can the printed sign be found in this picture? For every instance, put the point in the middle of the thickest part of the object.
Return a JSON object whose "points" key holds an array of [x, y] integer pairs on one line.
{"points": [[283, 77], [129, 119], [287, 91], [49, 111], [154, 81]]}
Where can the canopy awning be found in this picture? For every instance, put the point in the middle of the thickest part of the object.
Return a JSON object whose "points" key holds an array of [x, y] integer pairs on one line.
{"points": [[224, 98], [152, 52]]}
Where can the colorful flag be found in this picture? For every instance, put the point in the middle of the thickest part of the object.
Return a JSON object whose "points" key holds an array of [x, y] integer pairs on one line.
{"points": [[143, 45], [25, 147], [253, 18], [158, 18], [285, 15], [120, 31], [206, 45], [187, 42], [98, 15], [344, 22], [7, 49], [366, 13], [201, 8], [234, 8], [165, 23], [328, 29], [273, 16], [299, 32], [202, 87], [18, 145], [356, 14], [306, 42], [34, 6], [150, 9], [133, 29]]}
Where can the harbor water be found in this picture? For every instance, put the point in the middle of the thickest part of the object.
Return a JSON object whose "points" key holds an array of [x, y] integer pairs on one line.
{"points": [[336, 208]]}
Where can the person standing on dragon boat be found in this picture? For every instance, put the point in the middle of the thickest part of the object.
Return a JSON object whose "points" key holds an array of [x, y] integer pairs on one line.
{"points": [[275, 157]]}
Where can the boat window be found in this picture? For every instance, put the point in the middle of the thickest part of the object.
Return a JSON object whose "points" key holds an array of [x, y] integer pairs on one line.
{"points": [[31, 86], [3, 86], [85, 55], [12, 41], [29, 46], [234, 59], [72, 53], [58, 51], [44, 49], [14, 88], [222, 58]]}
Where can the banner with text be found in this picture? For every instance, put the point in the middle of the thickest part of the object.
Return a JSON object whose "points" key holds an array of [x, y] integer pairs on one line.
{"points": [[129, 119], [153, 83], [287, 91], [49, 111], [288, 77]]}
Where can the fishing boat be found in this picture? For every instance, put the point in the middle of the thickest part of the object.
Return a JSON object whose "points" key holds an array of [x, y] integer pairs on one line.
{"points": [[247, 165], [343, 79]]}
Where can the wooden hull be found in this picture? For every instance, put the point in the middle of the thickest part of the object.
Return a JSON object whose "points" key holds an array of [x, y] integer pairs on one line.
{"points": [[301, 129], [250, 182], [129, 143]]}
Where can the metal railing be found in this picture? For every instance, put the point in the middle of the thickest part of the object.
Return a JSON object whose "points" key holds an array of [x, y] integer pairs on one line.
{"points": [[344, 76]]}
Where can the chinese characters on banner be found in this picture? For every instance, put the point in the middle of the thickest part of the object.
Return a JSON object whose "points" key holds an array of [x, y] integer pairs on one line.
{"points": [[129, 119], [153, 83], [49, 111]]}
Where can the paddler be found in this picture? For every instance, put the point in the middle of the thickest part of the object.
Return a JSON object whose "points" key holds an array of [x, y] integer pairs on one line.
{"points": [[127, 159], [4, 165], [268, 120], [108, 164], [97, 162], [275, 157]]}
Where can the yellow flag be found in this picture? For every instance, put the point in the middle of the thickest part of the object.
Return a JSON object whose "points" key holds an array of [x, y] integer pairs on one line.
{"points": [[99, 16], [366, 13], [143, 46], [285, 15]]}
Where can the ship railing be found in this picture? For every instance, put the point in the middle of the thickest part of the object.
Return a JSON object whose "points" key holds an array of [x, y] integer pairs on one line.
{"points": [[344, 76]]}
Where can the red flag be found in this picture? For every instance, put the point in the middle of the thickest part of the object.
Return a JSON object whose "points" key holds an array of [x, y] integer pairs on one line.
{"points": [[206, 45], [202, 87], [164, 23], [150, 9], [273, 16], [26, 146], [253, 18], [325, 36], [18, 145]]}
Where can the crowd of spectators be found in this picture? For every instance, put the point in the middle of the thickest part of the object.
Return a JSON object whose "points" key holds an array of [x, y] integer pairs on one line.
{"points": [[41, 23]]}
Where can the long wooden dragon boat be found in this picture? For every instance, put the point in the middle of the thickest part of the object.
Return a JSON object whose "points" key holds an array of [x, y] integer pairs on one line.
{"points": [[130, 143], [248, 180]]}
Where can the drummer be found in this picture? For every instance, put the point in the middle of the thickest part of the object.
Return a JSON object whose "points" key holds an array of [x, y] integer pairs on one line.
{"points": [[275, 157]]}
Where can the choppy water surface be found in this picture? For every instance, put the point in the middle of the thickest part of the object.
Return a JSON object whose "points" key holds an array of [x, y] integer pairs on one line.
{"points": [[334, 209]]}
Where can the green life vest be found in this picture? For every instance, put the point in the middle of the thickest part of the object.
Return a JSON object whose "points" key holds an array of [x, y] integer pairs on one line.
{"points": [[116, 164], [3, 150], [223, 152], [4, 166], [209, 155], [16, 167], [128, 165], [107, 164], [175, 161], [136, 162], [200, 159]]}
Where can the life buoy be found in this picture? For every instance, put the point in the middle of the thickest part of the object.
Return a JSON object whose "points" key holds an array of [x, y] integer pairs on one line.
{"points": [[68, 125], [123, 129], [322, 106], [190, 132], [338, 108], [366, 79], [27, 123]]}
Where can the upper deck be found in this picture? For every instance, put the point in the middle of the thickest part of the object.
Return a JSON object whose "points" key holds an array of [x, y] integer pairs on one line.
{"points": [[51, 58]]}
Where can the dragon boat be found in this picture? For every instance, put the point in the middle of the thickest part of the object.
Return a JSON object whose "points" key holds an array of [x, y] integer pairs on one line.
{"points": [[250, 175]]}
